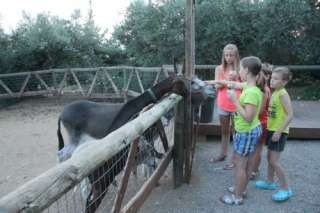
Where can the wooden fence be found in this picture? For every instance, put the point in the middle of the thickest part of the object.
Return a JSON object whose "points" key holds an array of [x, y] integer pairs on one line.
{"points": [[39, 193], [100, 82]]}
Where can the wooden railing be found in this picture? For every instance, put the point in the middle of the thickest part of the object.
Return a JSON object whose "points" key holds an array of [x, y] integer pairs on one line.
{"points": [[84, 82], [39, 193], [100, 82]]}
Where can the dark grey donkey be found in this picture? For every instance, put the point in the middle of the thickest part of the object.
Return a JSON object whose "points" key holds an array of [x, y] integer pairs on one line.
{"points": [[85, 119]]}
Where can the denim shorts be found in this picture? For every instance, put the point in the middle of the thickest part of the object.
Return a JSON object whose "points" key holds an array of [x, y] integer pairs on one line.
{"points": [[277, 146], [223, 112], [244, 143]]}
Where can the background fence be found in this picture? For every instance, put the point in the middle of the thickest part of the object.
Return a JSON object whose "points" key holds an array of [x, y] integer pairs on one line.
{"points": [[109, 82]]}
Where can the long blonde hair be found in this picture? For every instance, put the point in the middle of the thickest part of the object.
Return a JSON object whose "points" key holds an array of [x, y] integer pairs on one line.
{"points": [[233, 48]]}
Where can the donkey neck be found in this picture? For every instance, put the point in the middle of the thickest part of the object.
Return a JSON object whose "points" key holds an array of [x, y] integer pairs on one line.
{"points": [[130, 109]]}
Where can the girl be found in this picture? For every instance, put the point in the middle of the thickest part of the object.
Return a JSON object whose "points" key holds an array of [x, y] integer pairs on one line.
{"points": [[264, 82], [280, 115], [228, 70], [247, 127]]}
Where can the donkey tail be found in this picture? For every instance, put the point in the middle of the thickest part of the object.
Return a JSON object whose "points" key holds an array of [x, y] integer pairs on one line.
{"points": [[60, 138]]}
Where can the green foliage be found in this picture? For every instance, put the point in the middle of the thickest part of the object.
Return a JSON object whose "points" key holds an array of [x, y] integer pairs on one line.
{"points": [[152, 33], [48, 42], [278, 31]]}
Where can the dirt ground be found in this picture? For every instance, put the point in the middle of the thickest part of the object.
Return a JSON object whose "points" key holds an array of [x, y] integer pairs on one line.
{"points": [[29, 143]]}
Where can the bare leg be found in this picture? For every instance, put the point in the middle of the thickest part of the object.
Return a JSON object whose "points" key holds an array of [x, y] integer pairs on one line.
{"points": [[274, 162], [225, 133], [270, 171], [256, 158], [241, 178]]}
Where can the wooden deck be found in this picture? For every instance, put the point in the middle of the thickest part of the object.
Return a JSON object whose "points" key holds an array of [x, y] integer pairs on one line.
{"points": [[305, 124]]}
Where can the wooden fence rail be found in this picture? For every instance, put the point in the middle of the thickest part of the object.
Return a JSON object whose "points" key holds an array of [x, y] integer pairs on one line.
{"points": [[118, 81], [41, 192], [80, 81]]}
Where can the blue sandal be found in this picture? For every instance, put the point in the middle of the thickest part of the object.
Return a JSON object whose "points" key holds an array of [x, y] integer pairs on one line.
{"points": [[261, 184], [282, 195]]}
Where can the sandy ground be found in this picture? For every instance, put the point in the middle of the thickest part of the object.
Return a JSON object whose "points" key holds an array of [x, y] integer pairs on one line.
{"points": [[29, 143]]}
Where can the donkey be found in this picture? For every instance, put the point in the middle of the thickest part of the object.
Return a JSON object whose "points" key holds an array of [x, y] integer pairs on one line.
{"points": [[85, 119]]}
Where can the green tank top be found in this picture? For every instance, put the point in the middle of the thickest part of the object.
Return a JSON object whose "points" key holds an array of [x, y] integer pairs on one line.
{"points": [[276, 112]]}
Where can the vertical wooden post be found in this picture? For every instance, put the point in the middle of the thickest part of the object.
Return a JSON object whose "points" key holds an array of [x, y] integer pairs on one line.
{"points": [[125, 178], [178, 147], [189, 72]]}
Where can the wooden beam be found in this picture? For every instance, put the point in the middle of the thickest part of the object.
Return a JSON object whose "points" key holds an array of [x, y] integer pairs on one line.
{"points": [[62, 82], [139, 81], [24, 84], [6, 88], [92, 83], [189, 72], [78, 82], [114, 86], [125, 178], [163, 135], [136, 202], [178, 147]]}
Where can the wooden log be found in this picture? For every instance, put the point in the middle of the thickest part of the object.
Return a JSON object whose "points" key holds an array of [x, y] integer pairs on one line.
{"points": [[114, 86], [136, 202], [42, 191], [92, 84], [26, 80], [156, 78], [178, 147], [42, 81], [163, 135], [189, 72], [125, 178], [77, 82], [139, 80], [302, 68], [62, 83], [6, 88]]}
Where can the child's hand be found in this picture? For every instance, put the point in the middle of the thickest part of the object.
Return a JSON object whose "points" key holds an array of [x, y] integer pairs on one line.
{"points": [[232, 76], [231, 94], [276, 136]]}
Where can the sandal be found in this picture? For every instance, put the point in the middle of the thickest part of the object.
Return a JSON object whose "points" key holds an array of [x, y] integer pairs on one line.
{"points": [[231, 189], [282, 195], [217, 159], [254, 175], [261, 184], [231, 200], [228, 166]]}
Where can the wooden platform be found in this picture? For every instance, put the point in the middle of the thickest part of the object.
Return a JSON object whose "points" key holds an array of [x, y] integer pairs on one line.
{"points": [[305, 124]]}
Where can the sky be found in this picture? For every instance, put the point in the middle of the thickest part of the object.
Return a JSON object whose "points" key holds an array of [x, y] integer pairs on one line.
{"points": [[107, 13]]}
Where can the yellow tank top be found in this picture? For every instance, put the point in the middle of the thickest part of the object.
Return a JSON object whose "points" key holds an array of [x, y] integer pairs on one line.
{"points": [[276, 112]]}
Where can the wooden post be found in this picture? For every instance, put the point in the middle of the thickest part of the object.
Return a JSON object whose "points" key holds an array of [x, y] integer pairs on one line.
{"points": [[125, 178], [189, 72], [178, 147], [163, 136]]}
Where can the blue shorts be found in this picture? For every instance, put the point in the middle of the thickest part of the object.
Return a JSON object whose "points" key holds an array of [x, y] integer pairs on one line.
{"points": [[244, 143]]}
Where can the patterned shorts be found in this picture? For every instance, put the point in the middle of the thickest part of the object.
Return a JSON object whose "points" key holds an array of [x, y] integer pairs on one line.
{"points": [[244, 143]]}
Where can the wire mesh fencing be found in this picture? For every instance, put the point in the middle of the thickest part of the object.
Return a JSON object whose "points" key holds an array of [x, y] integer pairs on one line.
{"points": [[98, 192]]}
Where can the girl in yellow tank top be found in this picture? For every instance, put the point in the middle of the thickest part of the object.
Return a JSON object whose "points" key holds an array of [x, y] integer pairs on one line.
{"points": [[280, 114]]}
